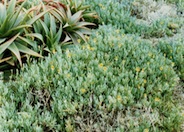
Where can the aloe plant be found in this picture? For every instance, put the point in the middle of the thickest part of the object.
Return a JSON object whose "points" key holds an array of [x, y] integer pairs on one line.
{"points": [[15, 46], [63, 23], [78, 5], [48, 32], [74, 26]]}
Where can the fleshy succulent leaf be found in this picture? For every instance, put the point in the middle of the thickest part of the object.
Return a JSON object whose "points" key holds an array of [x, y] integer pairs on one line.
{"points": [[5, 45], [26, 50], [13, 48]]}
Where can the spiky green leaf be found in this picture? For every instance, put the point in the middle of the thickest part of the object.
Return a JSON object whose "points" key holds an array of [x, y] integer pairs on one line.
{"points": [[5, 45], [26, 50], [13, 48]]}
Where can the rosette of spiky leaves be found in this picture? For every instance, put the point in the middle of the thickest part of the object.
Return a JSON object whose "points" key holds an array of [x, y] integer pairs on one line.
{"points": [[13, 44], [74, 26], [29, 3], [49, 31], [78, 5]]}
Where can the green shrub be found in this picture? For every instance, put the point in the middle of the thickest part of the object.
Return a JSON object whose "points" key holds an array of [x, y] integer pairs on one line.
{"points": [[14, 46], [122, 14], [113, 12], [64, 23], [34, 28], [174, 50], [114, 82]]}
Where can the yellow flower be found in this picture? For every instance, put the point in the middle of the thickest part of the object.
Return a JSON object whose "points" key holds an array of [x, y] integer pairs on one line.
{"points": [[164, 55], [116, 58], [68, 75], [105, 68], [83, 47], [103, 7], [157, 99], [119, 98], [94, 40], [78, 40], [87, 37], [161, 23], [149, 54], [137, 69], [146, 130], [119, 45], [170, 57], [58, 71], [139, 86], [145, 95], [90, 48], [52, 67], [145, 81], [100, 65], [161, 68], [100, 5], [117, 31], [83, 90], [53, 51], [173, 25], [123, 62], [68, 54], [172, 64]]}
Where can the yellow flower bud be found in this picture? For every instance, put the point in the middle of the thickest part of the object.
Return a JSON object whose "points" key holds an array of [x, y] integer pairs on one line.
{"points": [[83, 90], [119, 98], [137, 69], [52, 67], [161, 68], [146, 130], [157, 99]]}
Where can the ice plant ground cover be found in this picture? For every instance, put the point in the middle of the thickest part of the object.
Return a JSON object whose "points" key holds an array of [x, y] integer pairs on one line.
{"points": [[113, 65]]}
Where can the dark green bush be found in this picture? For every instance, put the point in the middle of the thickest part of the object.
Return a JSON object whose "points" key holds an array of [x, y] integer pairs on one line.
{"points": [[115, 82]]}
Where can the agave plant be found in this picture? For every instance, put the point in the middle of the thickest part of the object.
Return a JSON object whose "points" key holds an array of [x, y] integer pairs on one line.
{"points": [[14, 45], [74, 26], [77, 5], [48, 32]]}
